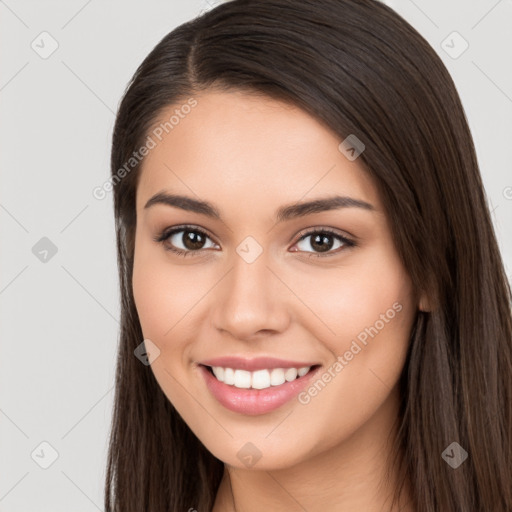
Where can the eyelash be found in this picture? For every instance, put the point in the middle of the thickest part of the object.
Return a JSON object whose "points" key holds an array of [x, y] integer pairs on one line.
{"points": [[167, 233]]}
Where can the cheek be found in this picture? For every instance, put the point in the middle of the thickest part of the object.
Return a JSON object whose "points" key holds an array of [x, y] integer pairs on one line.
{"points": [[370, 311], [162, 292], [151, 296], [163, 296], [371, 288]]}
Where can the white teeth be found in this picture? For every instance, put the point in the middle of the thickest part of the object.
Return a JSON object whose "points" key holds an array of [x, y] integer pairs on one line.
{"points": [[277, 377], [242, 379], [229, 376], [259, 379], [290, 374], [218, 371], [303, 371]]}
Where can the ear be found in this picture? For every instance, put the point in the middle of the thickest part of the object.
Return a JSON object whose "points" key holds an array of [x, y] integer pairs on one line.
{"points": [[424, 304]]}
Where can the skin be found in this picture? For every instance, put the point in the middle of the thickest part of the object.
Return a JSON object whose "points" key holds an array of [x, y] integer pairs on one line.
{"points": [[249, 155]]}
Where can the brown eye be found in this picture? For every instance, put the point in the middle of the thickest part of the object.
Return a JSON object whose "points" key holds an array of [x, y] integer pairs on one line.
{"points": [[192, 240], [184, 240], [323, 241]]}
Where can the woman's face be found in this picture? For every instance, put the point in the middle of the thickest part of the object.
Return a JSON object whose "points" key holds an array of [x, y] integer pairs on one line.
{"points": [[253, 284]]}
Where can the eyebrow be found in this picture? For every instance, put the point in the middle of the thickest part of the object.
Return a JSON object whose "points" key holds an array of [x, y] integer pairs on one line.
{"points": [[283, 213]]}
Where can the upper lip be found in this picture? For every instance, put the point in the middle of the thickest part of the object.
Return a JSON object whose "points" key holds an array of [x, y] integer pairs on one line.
{"points": [[257, 363]]}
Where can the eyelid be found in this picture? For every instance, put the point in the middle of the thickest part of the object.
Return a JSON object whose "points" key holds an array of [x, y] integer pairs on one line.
{"points": [[167, 232], [324, 229]]}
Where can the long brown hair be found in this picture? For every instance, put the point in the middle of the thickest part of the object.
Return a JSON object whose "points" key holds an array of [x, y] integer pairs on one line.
{"points": [[360, 68]]}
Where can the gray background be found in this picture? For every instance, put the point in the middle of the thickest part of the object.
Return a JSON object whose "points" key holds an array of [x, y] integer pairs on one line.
{"points": [[59, 312]]}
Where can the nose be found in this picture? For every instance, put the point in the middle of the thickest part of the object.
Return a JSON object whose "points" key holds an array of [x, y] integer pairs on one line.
{"points": [[251, 301]]}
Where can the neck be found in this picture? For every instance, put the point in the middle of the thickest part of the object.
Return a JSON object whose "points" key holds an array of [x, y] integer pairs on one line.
{"points": [[353, 475]]}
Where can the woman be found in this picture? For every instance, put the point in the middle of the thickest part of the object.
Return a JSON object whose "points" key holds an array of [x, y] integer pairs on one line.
{"points": [[315, 313]]}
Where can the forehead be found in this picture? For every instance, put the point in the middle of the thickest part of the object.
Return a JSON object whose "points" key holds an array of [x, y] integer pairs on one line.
{"points": [[246, 149]]}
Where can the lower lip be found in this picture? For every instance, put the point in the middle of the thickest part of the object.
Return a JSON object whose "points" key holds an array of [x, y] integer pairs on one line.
{"points": [[255, 401]]}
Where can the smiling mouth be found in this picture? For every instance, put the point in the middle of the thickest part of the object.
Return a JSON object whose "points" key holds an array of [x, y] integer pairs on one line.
{"points": [[259, 379]]}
